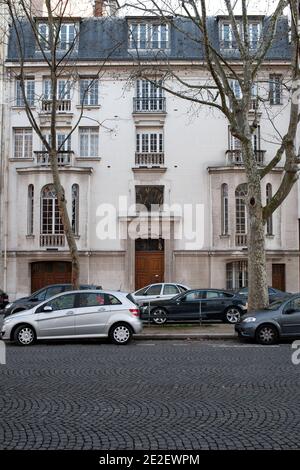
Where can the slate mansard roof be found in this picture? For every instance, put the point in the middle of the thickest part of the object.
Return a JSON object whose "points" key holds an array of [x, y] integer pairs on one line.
{"points": [[102, 38]]}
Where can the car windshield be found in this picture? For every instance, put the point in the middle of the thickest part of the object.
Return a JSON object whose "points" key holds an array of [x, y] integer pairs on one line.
{"points": [[275, 305]]}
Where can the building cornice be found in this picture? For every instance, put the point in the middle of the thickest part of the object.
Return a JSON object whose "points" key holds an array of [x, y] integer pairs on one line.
{"points": [[236, 169], [69, 169]]}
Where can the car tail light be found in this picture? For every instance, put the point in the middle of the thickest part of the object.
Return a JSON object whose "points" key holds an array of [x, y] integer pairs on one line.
{"points": [[135, 312]]}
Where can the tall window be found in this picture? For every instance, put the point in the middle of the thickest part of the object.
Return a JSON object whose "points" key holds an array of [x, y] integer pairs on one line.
{"points": [[227, 36], [240, 214], [63, 141], [89, 141], [236, 88], [224, 209], [30, 209], [275, 89], [236, 274], [50, 218], [149, 142], [22, 143], [75, 209], [29, 85], [63, 89], [270, 219], [89, 91], [148, 36], [67, 36], [254, 35], [149, 96]]}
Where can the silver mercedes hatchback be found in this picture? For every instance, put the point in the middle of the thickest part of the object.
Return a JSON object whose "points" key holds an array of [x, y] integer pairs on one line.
{"points": [[76, 314]]}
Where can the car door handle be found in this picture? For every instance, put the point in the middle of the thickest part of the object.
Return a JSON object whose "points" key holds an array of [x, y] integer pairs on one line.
{"points": [[102, 309], [69, 313]]}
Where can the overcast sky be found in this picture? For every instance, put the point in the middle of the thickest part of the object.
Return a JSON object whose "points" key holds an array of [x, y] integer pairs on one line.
{"points": [[214, 7]]}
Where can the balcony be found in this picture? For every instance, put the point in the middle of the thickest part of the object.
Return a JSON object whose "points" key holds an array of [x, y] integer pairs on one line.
{"points": [[62, 106], [235, 157], [149, 105], [64, 158], [52, 240], [241, 239], [150, 160]]}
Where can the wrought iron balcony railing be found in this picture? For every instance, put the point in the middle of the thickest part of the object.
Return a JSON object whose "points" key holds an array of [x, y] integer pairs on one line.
{"points": [[62, 106], [149, 105], [235, 157], [52, 240], [241, 239], [150, 160], [64, 158]]}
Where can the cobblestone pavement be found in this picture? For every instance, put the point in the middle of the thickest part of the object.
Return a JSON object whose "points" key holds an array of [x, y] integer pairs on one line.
{"points": [[149, 395]]}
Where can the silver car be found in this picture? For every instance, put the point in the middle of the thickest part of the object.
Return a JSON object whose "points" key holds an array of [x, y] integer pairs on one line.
{"points": [[163, 291], [76, 314]]}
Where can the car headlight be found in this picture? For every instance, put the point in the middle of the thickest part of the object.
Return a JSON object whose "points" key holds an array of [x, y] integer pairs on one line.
{"points": [[7, 306], [7, 320], [250, 319]]}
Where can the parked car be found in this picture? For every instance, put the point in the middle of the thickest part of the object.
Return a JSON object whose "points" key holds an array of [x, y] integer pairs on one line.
{"points": [[76, 314], [196, 304], [274, 294], [164, 290], [3, 299], [280, 320], [39, 296]]}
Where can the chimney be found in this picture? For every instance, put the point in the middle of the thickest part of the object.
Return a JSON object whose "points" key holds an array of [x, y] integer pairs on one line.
{"points": [[98, 8], [106, 7]]}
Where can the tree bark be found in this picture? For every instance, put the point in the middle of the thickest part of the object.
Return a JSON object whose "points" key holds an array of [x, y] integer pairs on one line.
{"points": [[258, 297], [62, 205]]}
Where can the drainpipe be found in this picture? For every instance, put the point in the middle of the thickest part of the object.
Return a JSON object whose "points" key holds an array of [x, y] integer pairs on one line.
{"points": [[210, 232]]}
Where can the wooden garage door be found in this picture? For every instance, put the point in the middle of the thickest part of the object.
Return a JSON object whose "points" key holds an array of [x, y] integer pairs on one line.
{"points": [[44, 273], [149, 268], [278, 276]]}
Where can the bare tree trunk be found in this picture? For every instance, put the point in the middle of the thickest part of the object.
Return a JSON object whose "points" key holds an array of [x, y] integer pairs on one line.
{"points": [[258, 287], [62, 205]]}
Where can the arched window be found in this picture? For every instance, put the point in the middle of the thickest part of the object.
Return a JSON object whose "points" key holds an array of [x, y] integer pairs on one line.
{"points": [[224, 209], [240, 215], [30, 209], [75, 209], [236, 275], [50, 218], [270, 219]]}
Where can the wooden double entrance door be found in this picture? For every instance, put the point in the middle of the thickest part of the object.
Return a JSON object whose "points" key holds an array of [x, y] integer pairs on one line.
{"points": [[44, 273], [149, 264]]}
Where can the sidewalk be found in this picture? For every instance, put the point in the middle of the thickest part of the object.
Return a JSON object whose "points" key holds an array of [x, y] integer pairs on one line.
{"points": [[187, 331]]}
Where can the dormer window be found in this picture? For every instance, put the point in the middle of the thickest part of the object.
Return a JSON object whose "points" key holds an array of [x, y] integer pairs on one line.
{"points": [[146, 35], [227, 36], [67, 36]]}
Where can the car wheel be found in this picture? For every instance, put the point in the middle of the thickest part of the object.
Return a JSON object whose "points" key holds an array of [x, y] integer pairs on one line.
{"points": [[267, 334], [24, 335], [159, 316], [121, 333], [232, 315]]}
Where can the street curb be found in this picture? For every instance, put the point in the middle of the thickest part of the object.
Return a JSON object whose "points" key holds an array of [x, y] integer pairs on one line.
{"points": [[198, 336]]}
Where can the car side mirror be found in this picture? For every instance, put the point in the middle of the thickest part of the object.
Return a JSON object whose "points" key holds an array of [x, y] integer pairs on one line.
{"points": [[290, 310], [48, 308]]}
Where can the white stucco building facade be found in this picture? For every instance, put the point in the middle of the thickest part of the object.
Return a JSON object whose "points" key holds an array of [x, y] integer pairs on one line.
{"points": [[132, 142]]}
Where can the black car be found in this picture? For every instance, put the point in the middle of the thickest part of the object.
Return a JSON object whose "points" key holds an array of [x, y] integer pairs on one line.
{"points": [[3, 299], [197, 304], [274, 294], [39, 296]]}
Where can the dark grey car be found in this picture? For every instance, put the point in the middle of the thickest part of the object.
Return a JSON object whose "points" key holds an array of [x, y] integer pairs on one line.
{"points": [[280, 320]]}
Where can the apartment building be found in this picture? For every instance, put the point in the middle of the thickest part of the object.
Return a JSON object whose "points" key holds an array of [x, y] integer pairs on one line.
{"points": [[136, 144]]}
